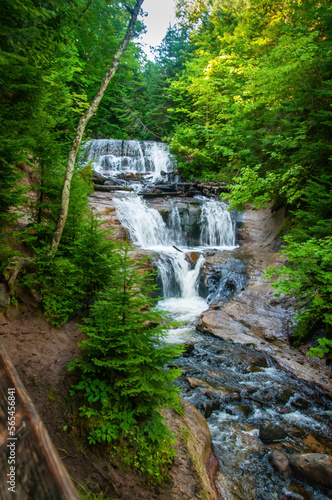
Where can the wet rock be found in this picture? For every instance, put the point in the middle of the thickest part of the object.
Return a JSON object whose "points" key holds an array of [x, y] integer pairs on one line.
{"points": [[189, 348], [192, 258], [271, 432], [238, 411], [280, 461], [295, 491], [301, 403], [255, 369], [130, 175], [216, 394], [313, 467], [233, 397], [207, 410], [195, 382], [285, 396], [4, 296], [315, 446], [165, 187]]}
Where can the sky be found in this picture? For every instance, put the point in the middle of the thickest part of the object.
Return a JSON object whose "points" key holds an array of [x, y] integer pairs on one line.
{"points": [[160, 14]]}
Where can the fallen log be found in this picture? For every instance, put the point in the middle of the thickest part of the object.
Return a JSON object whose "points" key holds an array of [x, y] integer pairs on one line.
{"points": [[98, 187]]}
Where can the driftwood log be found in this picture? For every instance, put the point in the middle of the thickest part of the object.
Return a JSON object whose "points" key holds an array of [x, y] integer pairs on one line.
{"points": [[29, 462]]}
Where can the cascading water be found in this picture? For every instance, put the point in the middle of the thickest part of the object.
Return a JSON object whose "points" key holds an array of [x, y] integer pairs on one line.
{"points": [[177, 276], [243, 388], [111, 156], [217, 226]]}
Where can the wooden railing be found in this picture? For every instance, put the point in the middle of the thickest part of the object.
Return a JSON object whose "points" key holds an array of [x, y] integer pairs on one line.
{"points": [[30, 467]]}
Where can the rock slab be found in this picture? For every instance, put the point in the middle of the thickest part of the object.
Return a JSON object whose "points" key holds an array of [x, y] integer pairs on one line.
{"points": [[313, 467]]}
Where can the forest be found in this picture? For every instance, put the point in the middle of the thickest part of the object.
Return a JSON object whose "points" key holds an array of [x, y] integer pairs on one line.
{"points": [[241, 90]]}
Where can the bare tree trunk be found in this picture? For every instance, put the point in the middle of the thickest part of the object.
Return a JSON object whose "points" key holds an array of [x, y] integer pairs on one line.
{"points": [[110, 72]]}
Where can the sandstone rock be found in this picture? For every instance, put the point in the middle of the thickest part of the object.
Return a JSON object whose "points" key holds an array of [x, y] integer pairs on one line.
{"points": [[279, 460], [195, 382], [271, 432], [216, 394], [295, 491], [193, 475], [315, 446], [313, 467], [192, 258]]}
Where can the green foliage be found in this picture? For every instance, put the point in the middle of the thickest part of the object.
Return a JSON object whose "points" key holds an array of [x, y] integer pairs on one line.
{"points": [[82, 266], [59, 283], [256, 91], [324, 347], [250, 188], [85, 494], [308, 278], [124, 379]]}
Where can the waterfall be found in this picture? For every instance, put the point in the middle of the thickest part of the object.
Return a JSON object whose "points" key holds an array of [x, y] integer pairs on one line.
{"points": [[111, 156], [217, 227], [145, 226], [178, 278], [175, 227]]}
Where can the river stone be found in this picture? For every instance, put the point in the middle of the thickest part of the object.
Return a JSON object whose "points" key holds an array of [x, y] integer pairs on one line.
{"points": [[216, 394], [271, 432], [301, 403], [189, 348], [192, 258], [207, 410], [195, 382], [234, 397], [238, 410], [313, 467], [295, 491], [4, 296], [279, 460]]}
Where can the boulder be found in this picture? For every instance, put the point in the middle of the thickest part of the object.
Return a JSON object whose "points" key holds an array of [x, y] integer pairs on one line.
{"points": [[271, 432], [195, 466], [192, 258], [313, 467], [280, 461]]}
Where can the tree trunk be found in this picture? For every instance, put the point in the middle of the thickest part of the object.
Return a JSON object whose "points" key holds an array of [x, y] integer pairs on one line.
{"points": [[83, 122]]}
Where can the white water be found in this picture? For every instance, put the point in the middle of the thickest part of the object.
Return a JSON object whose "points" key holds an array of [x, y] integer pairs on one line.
{"points": [[111, 156], [217, 227], [178, 277]]}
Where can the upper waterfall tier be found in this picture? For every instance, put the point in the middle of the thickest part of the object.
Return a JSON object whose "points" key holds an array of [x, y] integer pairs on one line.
{"points": [[115, 156]]}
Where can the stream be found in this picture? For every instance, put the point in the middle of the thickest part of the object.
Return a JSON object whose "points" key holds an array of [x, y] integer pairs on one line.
{"points": [[236, 388]]}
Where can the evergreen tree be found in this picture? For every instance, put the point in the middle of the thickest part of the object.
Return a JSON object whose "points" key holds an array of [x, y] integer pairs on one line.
{"points": [[124, 375]]}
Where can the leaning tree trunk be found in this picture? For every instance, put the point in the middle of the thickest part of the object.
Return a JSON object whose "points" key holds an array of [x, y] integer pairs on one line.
{"points": [[83, 122]]}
